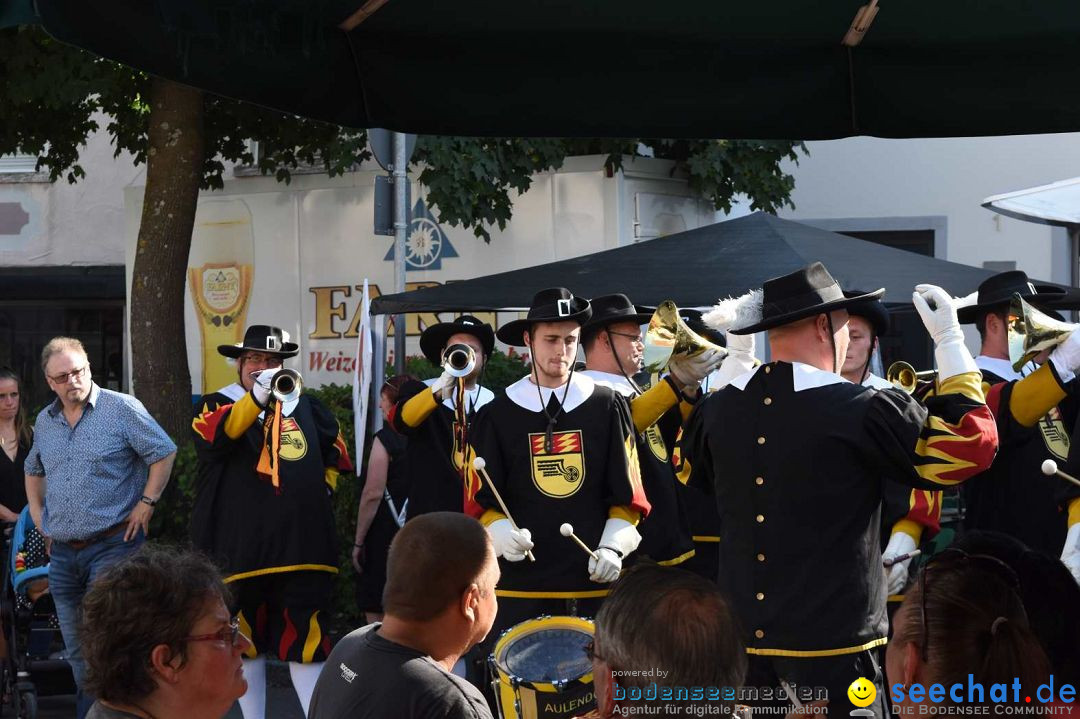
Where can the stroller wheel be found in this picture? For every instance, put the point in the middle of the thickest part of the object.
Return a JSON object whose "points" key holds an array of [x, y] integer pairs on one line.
{"points": [[26, 705]]}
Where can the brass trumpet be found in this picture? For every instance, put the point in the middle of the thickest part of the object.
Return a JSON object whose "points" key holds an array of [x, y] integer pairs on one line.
{"points": [[668, 336], [286, 385], [459, 360], [903, 376], [1031, 332]]}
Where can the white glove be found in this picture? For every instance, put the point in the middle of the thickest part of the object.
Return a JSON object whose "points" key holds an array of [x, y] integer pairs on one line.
{"points": [[261, 390], [606, 567], [1066, 357], [1070, 553], [689, 371], [510, 544], [900, 543], [951, 353], [619, 539], [444, 387], [739, 361]]}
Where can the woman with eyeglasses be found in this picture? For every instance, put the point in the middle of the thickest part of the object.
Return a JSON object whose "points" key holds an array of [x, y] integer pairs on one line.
{"points": [[158, 639], [377, 521], [963, 616], [15, 441]]}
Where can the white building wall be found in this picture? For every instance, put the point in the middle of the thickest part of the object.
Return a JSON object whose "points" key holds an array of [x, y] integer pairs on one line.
{"points": [[944, 179], [80, 224]]}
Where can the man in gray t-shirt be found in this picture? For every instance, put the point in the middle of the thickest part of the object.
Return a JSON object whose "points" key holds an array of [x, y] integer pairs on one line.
{"points": [[439, 602]]}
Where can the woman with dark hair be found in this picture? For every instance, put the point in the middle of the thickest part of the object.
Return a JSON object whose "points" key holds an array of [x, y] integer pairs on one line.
{"points": [[382, 504], [15, 441], [1050, 594], [963, 617], [158, 639]]}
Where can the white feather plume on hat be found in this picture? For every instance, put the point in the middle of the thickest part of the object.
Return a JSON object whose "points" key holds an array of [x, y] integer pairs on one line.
{"points": [[967, 300], [735, 312]]}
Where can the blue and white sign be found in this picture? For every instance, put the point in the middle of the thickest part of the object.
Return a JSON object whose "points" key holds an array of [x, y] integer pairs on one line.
{"points": [[425, 243]]}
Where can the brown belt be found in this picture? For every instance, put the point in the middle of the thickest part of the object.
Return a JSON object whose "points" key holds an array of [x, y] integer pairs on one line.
{"points": [[111, 531]]}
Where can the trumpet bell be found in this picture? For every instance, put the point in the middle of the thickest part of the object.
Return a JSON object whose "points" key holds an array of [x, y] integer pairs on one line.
{"points": [[668, 336], [903, 376], [287, 385], [459, 360], [1032, 331]]}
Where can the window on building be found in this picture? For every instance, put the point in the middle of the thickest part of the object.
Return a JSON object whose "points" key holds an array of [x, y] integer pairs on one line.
{"points": [[37, 304]]}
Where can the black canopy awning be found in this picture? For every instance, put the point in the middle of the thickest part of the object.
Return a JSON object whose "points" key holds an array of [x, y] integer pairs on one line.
{"points": [[697, 267], [607, 68]]}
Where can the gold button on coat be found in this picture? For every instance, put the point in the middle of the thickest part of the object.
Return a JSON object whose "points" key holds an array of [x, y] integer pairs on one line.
{"points": [[759, 634], [761, 440], [759, 481], [761, 557], [768, 400], [760, 518], [760, 596]]}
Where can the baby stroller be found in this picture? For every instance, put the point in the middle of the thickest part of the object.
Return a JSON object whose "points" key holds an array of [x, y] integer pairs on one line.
{"points": [[34, 663]]}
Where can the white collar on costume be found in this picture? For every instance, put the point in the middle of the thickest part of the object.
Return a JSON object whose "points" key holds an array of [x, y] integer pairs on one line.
{"points": [[872, 380], [804, 376], [234, 391], [610, 380], [523, 393], [478, 396], [1001, 367]]}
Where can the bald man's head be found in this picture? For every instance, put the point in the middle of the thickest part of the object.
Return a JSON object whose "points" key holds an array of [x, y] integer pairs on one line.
{"points": [[433, 560]]}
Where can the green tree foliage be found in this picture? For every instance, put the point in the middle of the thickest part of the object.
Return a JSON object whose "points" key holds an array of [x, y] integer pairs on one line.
{"points": [[52, 96]]}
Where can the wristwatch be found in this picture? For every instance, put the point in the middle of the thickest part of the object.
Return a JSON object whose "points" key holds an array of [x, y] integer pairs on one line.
{"points": [[148, 500]]}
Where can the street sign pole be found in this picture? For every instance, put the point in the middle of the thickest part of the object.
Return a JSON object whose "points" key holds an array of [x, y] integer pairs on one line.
{"points": [[401, 209]]}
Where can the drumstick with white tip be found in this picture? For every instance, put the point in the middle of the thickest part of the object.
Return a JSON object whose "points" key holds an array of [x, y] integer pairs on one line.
{"points": [[1049, 467], [567, 530], [479, 464]]}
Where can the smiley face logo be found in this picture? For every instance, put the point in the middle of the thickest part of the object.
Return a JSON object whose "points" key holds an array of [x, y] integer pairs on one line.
{"points": [[862, 692]]}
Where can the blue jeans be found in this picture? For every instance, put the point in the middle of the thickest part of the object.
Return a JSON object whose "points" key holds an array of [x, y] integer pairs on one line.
{"points": [[70, 573]]}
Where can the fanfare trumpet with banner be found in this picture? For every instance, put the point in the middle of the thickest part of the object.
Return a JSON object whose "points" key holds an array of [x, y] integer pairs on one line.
{"points": [[287, 385], [668, 336], [1032, 332], [459, 360]]}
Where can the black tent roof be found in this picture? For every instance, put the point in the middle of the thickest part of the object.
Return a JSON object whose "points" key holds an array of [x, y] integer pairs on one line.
{"points": [[606, 68], [697, 267]]}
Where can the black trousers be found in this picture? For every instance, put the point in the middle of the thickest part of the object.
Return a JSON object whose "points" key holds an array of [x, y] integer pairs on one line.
{"points": [[832, 674]]}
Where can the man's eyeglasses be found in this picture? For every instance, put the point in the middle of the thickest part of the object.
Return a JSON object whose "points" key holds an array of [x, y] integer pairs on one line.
{"points": [[590, 651], [69, 376], [953, 556], [268, 361], [634, 339], [230, 634]]}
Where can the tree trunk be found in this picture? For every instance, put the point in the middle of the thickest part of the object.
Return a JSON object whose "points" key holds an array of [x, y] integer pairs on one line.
{"points": [[160, 374]]}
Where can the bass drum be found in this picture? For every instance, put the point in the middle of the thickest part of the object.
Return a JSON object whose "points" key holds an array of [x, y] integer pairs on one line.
{"points": [[541, 671]]}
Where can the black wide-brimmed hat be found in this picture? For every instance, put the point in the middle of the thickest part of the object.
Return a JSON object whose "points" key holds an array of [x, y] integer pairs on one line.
{"points": [[555, 304], [262, 338], [609, 309], [693, 320], [997, 291], [433, 339], [801, 294], [873, 311]]}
